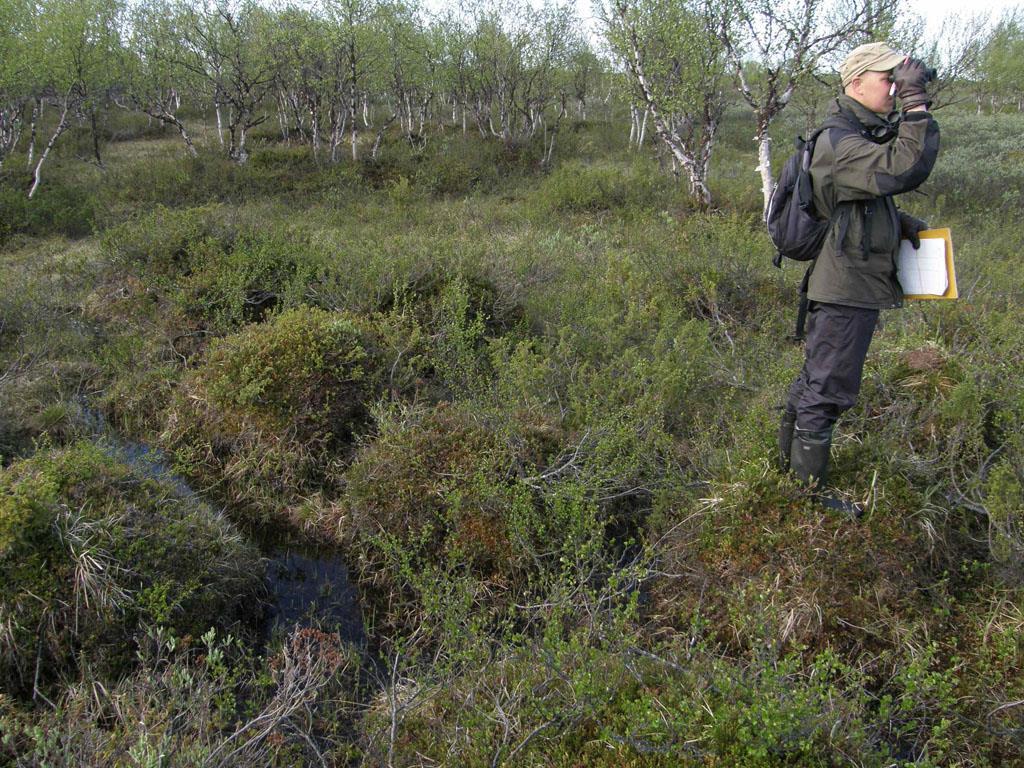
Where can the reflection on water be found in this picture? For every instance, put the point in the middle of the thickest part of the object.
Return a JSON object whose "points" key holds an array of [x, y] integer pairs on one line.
{"points": [[311, 586]]}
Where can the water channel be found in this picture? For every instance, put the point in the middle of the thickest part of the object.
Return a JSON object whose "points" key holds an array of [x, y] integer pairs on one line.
{"points": [[307, 583]]}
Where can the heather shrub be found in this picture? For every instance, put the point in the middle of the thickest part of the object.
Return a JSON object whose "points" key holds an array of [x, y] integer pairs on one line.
{"points": [[156, 242], [806, 578], [199, 701], [431, 489], [272, 409], [577, 187], [90, 551], [981, 166], [57, 208]]}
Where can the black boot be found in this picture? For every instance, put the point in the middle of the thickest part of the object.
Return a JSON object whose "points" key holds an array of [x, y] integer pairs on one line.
{"points": [[809, 459], [786, 426], [808, 455]]}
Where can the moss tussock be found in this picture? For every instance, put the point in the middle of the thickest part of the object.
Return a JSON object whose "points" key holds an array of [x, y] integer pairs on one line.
{"points": [[90, 552]]}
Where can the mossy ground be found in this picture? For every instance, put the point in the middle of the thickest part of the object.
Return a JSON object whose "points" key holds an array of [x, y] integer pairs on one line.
{"points": [[536, 410]]}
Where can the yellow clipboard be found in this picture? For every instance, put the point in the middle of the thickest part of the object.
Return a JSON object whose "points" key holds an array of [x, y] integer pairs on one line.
{"points": [[951, 292]]}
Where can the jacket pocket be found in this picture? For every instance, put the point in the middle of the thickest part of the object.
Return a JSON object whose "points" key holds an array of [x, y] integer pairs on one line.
{"points": [[845, 227], [882, 224]]}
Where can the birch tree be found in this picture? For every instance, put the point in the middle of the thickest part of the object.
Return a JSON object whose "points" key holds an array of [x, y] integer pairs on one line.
{"points": [[413, 58], [786, 40], [956, 52], [1001, 64], [306, 77], [71, 49], [515, 58], [15, 90], [358, 49], [152, 80], [676, 64], [224, 45]]}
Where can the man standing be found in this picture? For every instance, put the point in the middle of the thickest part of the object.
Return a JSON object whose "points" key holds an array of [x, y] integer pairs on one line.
{"points": [[855, 172]]}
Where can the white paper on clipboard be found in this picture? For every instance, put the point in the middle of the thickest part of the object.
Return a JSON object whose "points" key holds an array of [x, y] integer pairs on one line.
{"points": [[923, 271]]}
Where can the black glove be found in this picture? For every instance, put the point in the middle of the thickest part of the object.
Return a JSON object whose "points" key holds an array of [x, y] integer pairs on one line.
{"points": [[911, 76], [910, 227]]}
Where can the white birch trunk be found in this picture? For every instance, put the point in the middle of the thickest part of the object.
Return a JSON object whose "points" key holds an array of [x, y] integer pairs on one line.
{"points": [[282, 122], [242, 154], [220, 124], [186, 138], [698, 180], [61, 127], [37, 111], [764, 166], [314, 119]]}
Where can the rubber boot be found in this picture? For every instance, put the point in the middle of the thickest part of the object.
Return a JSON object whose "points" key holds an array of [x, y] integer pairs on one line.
{"points": [[809, 457], [786, 426]]}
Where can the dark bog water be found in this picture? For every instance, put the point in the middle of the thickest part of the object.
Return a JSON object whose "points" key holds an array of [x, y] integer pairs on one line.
{"points": [[309, 585]]}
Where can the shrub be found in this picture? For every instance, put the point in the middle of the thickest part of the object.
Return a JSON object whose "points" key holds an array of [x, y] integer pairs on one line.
{"points": [[155, 244], [90, 550], [212, 272], [432, 487], [575, 187], [273, 407], [979, 169], [227, 285], [768, 566], [199, 701], [57, 208]]}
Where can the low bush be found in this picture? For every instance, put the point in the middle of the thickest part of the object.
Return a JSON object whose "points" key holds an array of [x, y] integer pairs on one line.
{"points": [[57, 208], [981, 166], [199, 701], [156, 243], [273, 408], [766, 565], [576, 187], [90, 551], [432, 486]]}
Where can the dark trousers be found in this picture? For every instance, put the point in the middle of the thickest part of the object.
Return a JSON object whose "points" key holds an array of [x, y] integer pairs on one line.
{"points": [[837, 343]]}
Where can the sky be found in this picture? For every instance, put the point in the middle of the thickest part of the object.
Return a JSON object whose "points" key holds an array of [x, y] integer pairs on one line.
{"points": [[933, 11]]}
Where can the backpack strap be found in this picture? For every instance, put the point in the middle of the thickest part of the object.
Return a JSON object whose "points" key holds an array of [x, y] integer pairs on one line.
{"points": [[799, 333]]}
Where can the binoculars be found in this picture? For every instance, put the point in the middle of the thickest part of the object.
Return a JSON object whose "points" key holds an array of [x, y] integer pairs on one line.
{"points": [[930, 74]]}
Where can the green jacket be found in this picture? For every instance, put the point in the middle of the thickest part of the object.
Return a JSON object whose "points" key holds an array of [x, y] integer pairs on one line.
{"points": [[854, 178]]}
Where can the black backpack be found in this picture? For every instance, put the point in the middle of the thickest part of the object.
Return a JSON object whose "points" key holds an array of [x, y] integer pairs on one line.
{"points": [[795, 228]]}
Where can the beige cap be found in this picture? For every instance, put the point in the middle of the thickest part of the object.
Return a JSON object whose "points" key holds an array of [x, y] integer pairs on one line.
{"points": [[873, 57]]}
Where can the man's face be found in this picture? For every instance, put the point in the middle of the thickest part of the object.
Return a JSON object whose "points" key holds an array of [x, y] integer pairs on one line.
{"points": [[872, 90]]}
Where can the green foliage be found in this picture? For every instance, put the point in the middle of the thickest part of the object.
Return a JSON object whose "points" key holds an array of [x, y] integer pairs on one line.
{"points": [[981, 166], [536, 414], [90, 551], [1004, 495], [575, 187], [432, 493], [57, 209], [1000, 67], [182, 707], [276, 405]]}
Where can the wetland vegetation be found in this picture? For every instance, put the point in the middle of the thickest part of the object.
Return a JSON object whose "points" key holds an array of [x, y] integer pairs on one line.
{"points": [[523, 400]]}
